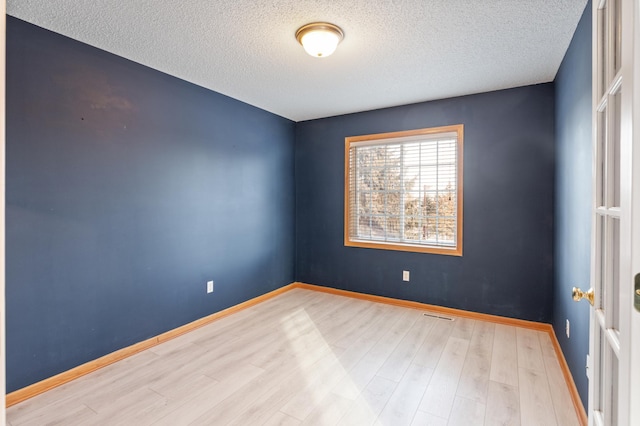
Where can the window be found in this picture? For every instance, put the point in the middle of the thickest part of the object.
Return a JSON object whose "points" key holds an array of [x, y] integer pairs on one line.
{"points": [[403, 190]]}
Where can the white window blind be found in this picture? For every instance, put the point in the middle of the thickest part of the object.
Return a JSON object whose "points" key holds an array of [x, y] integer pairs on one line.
{"points": [[404, 189]]}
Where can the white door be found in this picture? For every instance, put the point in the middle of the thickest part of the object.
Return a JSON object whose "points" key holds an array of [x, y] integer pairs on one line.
{"points": [[614, 388]]}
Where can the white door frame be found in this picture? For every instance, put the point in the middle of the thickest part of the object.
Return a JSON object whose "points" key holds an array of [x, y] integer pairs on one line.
{"points": [[629, 391], [628, 194], [634, 313]]}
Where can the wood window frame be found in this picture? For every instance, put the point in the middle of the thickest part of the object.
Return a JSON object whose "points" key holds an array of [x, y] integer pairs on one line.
{"points": [[456, 249]]}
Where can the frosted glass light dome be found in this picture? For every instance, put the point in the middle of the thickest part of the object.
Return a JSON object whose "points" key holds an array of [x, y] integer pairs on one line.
{"points": [[319, 39]]}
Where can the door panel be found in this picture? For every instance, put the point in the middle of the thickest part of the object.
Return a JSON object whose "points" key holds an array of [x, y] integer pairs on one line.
{"points": [[614, 387]]}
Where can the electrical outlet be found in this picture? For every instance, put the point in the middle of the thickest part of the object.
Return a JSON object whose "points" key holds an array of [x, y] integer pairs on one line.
{"points": [[567, 328], [209, 286], [587, 367], [405, 275]]}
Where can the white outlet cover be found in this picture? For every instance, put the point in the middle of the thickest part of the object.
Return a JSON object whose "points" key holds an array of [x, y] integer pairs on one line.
{"points": [[209, 286], [405, 275], [588, 366], [568, 329]]}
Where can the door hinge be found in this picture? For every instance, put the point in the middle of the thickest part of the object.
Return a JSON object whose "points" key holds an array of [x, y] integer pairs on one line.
{"points": [[636, 293]]}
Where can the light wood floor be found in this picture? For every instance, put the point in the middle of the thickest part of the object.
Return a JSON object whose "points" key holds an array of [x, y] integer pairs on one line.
{"points": [[306, 357]]}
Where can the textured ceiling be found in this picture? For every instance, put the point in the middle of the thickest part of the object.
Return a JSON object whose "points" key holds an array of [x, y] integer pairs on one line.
{"points": [[394, 52]]}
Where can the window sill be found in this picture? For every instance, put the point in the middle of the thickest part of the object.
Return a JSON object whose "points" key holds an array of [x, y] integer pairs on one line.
{"points": [[381, 245]]}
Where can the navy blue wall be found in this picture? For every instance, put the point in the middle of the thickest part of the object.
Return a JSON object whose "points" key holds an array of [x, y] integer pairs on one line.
{"points": [[573, 199], [507, 264], [128, 189]]}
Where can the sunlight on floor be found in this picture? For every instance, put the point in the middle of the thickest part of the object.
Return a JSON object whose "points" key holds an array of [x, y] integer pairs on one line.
{"points": [[327, 381]]}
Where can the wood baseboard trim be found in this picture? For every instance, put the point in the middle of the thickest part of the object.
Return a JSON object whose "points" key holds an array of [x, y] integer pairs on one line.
{"points": [[79, 371], [568, 378], [548, 328], [88, 367], [426, 307]]}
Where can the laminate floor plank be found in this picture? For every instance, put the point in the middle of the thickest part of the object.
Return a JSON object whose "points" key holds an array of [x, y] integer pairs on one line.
{"points": [[290, 335], [137, 407], [359, 348], [298, 345], [503, 405], [463, 328], [264, 316], [328, 411], [238, 323], [308, 357], [565, 414], [297, 384], [364, 324], [63, 414], [367, 367], [536, 405], [322, 305], [292, 338], [358, 413], [398, 361], [352, 316], [185, 390], [266, 404], [319, 384], [156, 371], [370, 402], [281, 419], [529, 350], [474, 380], [546, 345], [318, 361], [466, 412], [440, 394], [207, 398], [425, 419], [265, 327], [183, 398], [404, 401], [181, 376], [110, 390], [429, 353], [504, 357], [73, 393]]}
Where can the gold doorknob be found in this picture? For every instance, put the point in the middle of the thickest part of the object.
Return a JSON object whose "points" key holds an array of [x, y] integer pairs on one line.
{"points": [[579, 295]]}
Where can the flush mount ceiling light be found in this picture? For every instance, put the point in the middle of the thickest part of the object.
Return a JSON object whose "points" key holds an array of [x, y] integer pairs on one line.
{"points": [[319, 39]]}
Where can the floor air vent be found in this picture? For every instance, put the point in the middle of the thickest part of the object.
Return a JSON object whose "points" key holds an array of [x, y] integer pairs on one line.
{"points": [[438, 316]]}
